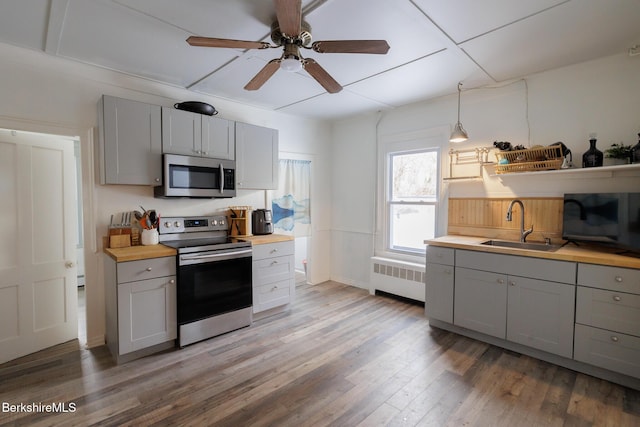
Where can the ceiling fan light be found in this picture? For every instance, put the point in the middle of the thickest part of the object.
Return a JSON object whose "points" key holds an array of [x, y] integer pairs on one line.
{"points": [[458, 134], [291, 64]]}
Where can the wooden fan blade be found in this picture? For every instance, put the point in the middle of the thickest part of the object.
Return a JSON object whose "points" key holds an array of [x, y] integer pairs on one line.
{"points": [[263, 75], [379, 47], [321, 76], [289, 14], [213, 42]]}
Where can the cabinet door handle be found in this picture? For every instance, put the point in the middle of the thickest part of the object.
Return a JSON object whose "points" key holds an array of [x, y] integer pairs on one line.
{"points": [[172, 281], [614, 338], [619, 279], [204, 153], [616, 298], [512, 283], [500, 281], [148, 268], [157, 180], [447, 272]]}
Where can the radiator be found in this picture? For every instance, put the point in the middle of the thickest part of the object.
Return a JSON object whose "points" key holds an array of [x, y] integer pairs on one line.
{"points": [[400, 278]]}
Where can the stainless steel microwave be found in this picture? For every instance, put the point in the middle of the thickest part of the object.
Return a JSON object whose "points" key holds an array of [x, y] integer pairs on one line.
{"points": [[196, 177]]}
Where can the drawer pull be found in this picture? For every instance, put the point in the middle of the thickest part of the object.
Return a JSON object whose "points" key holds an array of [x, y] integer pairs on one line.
{"points": [[274, 288], [500, 281], [274, 262], [616, 298], [172, 281], [619, 279], [148, 268], [273, 251], [614, 338]]}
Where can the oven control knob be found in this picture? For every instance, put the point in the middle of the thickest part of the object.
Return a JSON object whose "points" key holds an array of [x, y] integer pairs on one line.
{"points": [[222, 222], [167, 224], [177, 224], [214, 222]]}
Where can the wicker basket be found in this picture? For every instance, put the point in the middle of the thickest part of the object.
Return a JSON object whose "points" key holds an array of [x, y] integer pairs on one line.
{"points": [[530, 160]]}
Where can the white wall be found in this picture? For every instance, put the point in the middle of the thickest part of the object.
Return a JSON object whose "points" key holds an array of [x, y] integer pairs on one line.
{"points": [[560, 105], [46, 94]]}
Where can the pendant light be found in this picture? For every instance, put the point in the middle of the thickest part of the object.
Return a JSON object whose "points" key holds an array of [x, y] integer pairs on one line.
{"points": [[459, 134]]}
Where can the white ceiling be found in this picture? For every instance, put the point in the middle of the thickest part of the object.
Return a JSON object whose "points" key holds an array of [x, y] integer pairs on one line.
{"points": [[434, 44]]}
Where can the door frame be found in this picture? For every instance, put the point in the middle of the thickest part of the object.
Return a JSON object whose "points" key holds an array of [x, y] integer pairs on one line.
{"points": [[86, 137]]}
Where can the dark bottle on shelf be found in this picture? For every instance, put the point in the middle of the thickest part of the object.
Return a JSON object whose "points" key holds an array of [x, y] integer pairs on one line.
{"points": [[635, 152], [592, 157]]}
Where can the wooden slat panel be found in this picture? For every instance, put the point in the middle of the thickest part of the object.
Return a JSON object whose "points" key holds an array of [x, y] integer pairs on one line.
{"points": [[487, 218]]}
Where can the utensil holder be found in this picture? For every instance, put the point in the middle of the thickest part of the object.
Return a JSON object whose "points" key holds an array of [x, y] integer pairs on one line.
{"points": [[149, 237]]}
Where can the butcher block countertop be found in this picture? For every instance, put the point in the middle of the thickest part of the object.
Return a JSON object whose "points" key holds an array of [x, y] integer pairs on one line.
{"points": [[265, 239], [570, 252], [135, 253]]}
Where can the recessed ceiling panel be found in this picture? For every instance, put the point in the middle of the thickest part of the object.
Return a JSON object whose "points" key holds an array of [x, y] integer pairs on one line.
{"points": [[570, 33], [282, 88], [465, 19], [24, 23], [409, 34], [118, 38], [433, 76]]}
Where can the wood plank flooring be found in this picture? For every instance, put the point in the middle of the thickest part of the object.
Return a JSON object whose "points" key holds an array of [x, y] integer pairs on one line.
{"points": [[340, 357]]}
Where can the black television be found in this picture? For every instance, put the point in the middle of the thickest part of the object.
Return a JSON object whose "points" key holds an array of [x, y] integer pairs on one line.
{"points": [[611, 219]]}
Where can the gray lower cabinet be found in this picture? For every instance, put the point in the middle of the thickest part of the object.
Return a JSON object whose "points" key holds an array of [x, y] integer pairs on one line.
{"points": [[540, 314], [439, 283], [193, 134], [481, 301], [256, 157], [608, 318], [129, 142], [273, 276], [490, 298], [141, 306]]}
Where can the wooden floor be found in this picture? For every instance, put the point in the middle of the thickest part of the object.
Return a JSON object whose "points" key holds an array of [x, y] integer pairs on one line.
{"points": [[340, 357]]}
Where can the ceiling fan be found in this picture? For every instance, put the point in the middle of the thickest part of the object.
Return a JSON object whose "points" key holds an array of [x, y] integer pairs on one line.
{"points": [[292, 33]]}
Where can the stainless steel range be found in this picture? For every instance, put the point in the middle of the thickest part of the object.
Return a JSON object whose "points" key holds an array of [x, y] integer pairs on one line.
{"points": [[214, 277]]}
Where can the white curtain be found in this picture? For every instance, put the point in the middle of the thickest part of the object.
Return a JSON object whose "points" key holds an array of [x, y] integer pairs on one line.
{"points": [[290, 203]]}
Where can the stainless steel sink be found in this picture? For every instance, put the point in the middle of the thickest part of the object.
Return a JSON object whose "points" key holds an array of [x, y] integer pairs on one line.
{"points": [[522, 245]]}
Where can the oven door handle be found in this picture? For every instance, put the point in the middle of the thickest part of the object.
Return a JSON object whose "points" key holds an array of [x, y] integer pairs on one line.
{"points": [[226, 255]]}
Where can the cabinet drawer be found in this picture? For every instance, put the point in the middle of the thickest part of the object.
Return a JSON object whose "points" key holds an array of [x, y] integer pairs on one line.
{"points": [[609, 350], [535, 268], [271, 250], [272, 270], [612, 278], [438, 255], [615, 311], [146, 269], [271, 295]]}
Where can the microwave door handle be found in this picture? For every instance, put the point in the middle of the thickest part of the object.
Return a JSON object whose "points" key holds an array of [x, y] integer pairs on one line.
{"points": [[221, 179]]}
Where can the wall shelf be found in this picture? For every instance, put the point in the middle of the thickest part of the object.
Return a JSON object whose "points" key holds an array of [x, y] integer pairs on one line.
{"points": [[467, 164], [632, 170]]}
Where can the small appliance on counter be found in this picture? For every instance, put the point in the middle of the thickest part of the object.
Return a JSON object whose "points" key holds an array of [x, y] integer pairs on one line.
{"points": [[261, 222]]}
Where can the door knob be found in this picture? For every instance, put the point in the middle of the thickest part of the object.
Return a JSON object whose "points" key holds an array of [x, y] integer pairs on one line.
{"points": [[69, 264]]}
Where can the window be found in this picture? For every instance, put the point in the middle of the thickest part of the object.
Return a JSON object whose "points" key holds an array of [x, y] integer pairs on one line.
{"points": [[412, 199]]}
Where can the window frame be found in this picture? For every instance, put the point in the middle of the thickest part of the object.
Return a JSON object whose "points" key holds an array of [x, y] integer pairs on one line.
{"points": [[427, 140], [390, 202]]}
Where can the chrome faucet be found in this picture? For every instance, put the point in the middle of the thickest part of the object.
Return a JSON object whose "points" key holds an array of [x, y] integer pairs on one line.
{"points": [[523, 233]]}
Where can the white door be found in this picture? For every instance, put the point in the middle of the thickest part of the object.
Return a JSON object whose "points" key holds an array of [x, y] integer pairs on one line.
{"points": [[38, 292]]}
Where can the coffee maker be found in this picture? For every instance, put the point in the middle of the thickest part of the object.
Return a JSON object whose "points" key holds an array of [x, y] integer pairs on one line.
{"points": [[261, 222]]}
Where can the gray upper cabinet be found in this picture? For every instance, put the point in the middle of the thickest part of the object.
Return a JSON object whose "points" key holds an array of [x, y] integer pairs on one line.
{"points": [[256, 157], [129, 142], [193, 134]]}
